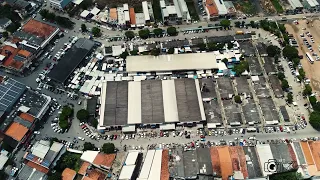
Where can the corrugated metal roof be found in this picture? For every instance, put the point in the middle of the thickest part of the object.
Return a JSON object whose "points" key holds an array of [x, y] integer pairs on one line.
{"points": [[155, 172], [145, 170]]}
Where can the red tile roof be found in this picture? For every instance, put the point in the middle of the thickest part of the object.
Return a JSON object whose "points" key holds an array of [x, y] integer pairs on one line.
{"points": [[16, 131], [83, 168], [165, 165], [96, 174], [132, 16], [68, 174], [9, 61], [37, 167], [105, 160], [24, 53], [38, 28], [86, 178], [113, 14], [27, 117], [212, 8]]}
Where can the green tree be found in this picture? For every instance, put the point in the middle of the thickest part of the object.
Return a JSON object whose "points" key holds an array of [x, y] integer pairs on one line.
{"points": [[171, 50], [134, 52], [281, 76], [202, 46], [44, 13], [230, 45], [51, 16], [273, 50], [290, 52], [295, 62], [124, 55], [155, 52], [158, 31], [225, 61], [237, 24], [314, 120], [252, 24], [241, 67], [225, 23], [284, 84], [213, 46], [312, 100], [286, 176], [237, 99], [108, 148], [13, 27], [85, 4], [144, 33], [172, 31], [96, 32], [55, 176], [5, 34], [302, 74], [64, 22], [88, 146], [95, 123], [67, 111], [83, 115], [83, 28], [307, 90], [129, 34], [289, 98]]}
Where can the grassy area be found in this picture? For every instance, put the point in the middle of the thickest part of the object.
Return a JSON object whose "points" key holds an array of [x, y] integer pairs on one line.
{"points": [[192, 10], [277, 6], [246, 7], [156, 10]]}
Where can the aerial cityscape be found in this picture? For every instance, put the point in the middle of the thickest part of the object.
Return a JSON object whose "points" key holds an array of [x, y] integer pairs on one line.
{"points": [[159, 89]]}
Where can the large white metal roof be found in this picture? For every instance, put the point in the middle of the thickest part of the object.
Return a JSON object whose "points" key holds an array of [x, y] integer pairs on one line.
{"points": [[193, 61], [89, 156], [221, 7], [126, 172], [313, 3], [131, 158], [265, 153], [295, 4], [145, 11], [40, 148], [155, 172], [120, 12], [169, 101], [145, 170], [134, 102]]}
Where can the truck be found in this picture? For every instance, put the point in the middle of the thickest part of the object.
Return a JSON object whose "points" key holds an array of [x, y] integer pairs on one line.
{"points": [[239, 32]]}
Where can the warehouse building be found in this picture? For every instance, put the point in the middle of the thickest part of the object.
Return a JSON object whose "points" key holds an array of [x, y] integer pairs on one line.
{"points": [[296, 5], [150, 103], [174, 62]]}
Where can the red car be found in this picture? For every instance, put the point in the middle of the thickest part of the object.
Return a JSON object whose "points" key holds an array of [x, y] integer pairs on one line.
{"points": [[202, 136], [115, 137], [303, 117], [281, 129]]}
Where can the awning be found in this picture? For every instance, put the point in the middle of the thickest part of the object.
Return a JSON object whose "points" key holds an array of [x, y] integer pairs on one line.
{"points": [[167, 127], [24, 109], [199, 126], [211, 125], [129, 128]]}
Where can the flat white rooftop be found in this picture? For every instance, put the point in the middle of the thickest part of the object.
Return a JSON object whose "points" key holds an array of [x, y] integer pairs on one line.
{"points": [[191, 61]]}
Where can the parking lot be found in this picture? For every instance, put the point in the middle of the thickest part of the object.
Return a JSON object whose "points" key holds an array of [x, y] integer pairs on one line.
{"points": [[305, 32]]}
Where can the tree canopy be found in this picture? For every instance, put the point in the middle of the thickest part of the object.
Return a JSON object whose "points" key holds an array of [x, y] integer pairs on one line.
{"points": [[55, 176], [129, 34], [172, 31], [225, 23], [88, 146], [124, 55], [286, 176], [213, 46], [273, 51], [289, 98], [202, 46], [134, 52], [307, 90], [237, 99], [83, 28], [314, 120], [281, 76], [171, 50], [83, 115], [96, 32], [66, 113], [144, 33], [241, 67], [108, 148], [158, 31], [155, 52], [290, 52], [284, 84]]}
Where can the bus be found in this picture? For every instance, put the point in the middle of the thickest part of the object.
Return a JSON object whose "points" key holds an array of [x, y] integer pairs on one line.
{"points": [[310, 58]]}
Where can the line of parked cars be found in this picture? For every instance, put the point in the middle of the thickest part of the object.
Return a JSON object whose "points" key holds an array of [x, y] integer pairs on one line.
{"points": [[88, 132]]}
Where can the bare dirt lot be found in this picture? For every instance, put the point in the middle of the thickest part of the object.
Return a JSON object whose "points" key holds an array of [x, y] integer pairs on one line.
{"points": [[312, 70]]}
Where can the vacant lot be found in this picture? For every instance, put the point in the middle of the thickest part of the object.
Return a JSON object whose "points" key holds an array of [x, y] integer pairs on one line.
{"points": [[312, 70]]}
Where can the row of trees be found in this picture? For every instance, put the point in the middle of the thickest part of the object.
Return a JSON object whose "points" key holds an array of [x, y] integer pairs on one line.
{"points": [[145, 33], [62, 21]]}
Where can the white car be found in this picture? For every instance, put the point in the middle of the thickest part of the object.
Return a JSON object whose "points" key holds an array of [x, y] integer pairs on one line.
{"points": [[81, 138], [36, 132]]}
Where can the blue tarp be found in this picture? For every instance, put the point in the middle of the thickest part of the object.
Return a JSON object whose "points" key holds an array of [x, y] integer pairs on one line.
{"points": [[241, 144]]}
